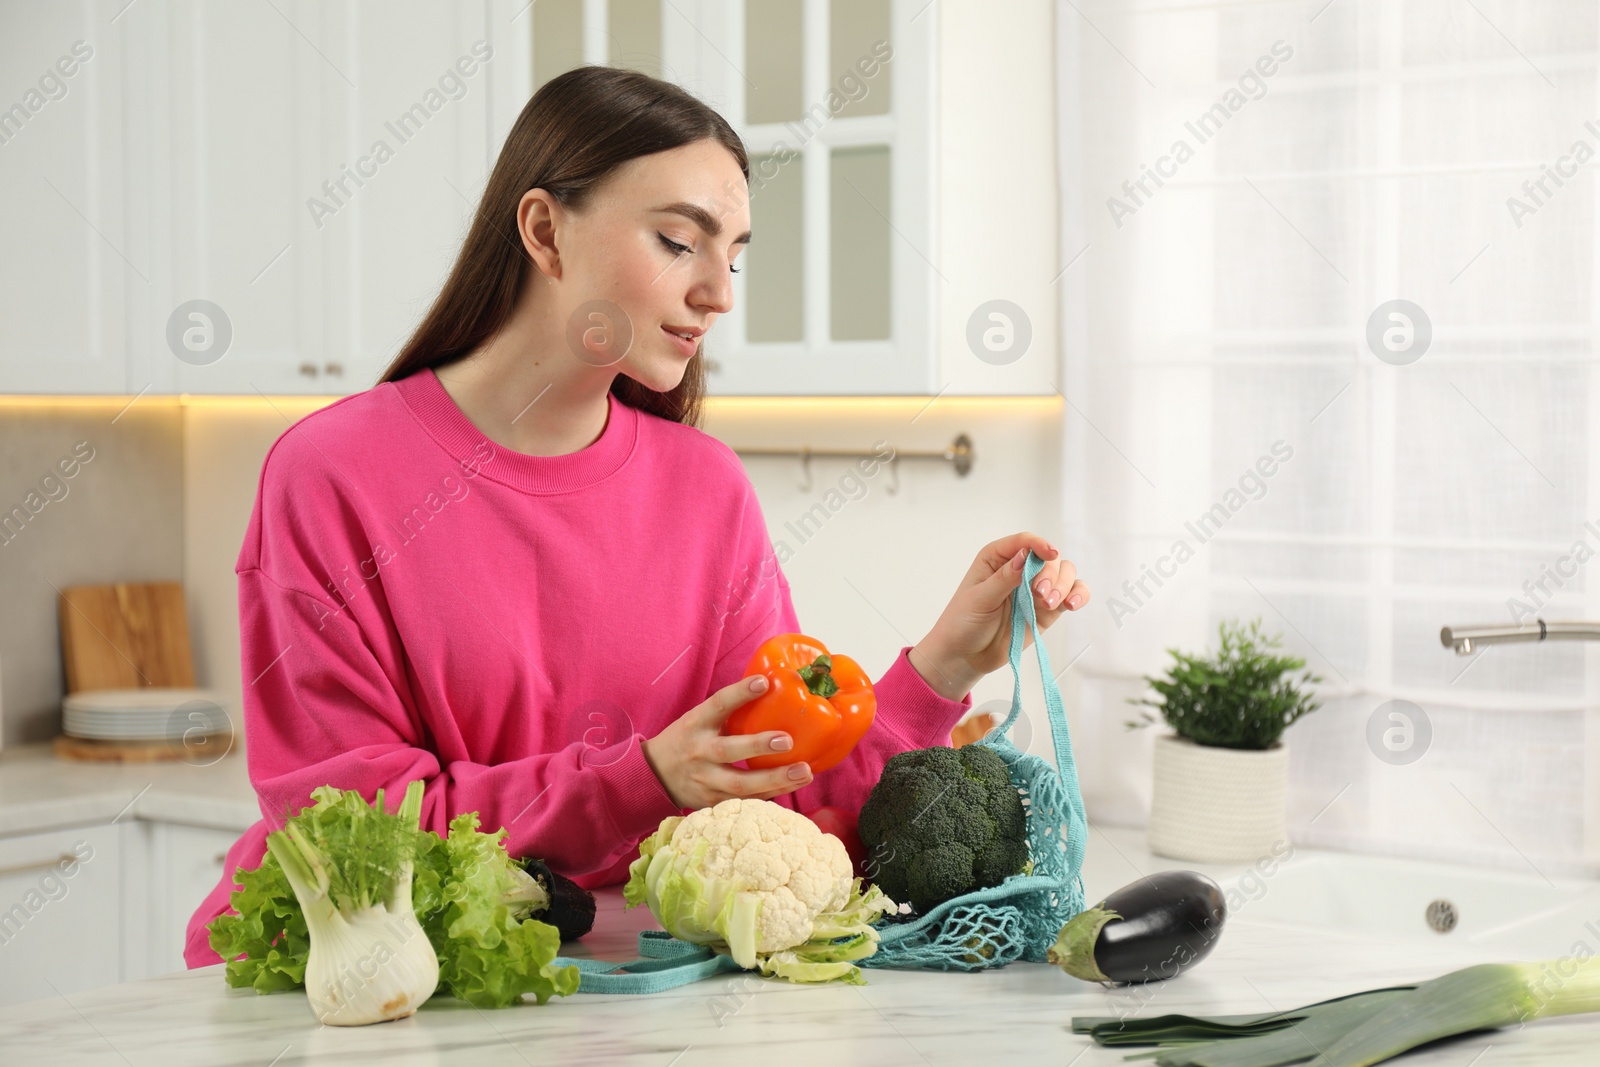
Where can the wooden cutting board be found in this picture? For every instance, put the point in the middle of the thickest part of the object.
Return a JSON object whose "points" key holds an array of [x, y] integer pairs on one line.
{"points": [[86, 750], [125, 636]]}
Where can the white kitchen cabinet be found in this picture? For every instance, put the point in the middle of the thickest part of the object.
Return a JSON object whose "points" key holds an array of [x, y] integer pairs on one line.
{"points": [[70, 266], [60, 927], [117, 914], [242, 198], [185, 864], [265, 198], [325, 162]]}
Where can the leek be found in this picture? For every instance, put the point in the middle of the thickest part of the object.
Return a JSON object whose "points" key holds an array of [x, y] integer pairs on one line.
{"points": [[1483, 997], [1297, 1034], [1363, 1028]]}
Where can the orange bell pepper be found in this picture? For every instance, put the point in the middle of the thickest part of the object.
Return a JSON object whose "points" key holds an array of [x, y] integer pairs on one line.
{"points": [[825, 702]]}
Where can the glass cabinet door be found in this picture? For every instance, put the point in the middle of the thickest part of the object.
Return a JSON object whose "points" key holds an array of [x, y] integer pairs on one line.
{"points": [[833, 100]]}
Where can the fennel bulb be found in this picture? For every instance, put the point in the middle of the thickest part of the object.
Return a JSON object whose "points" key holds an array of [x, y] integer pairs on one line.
{"points": [[369, 959]]}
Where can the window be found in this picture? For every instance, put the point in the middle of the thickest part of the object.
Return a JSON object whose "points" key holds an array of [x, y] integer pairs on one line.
{"points": [[1254, 183]]}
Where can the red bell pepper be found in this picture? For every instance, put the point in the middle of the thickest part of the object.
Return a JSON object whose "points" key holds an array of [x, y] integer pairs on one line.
{"points": [[824, 702]]}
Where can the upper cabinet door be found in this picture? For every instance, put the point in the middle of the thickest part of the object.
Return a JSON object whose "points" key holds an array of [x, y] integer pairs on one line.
{"points": [[833, 100], [249, 100], [73, 262], [326, 159], [241, 198]]}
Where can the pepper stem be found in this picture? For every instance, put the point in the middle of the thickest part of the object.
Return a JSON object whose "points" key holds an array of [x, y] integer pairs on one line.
{"points": [[818, 676]]}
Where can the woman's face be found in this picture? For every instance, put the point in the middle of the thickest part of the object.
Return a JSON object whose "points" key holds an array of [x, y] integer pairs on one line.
{"points": [[651, 256]]}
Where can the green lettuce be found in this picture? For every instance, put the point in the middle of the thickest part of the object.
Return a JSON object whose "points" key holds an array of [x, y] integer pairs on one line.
{"points": [[470, 897], [266, 943]]}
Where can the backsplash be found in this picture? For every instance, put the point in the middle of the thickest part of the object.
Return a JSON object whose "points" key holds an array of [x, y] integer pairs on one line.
{"points": [[90, 494]]}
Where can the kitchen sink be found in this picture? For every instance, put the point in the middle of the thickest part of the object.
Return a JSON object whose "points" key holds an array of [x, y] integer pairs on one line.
{"points": [[1511, 914]]}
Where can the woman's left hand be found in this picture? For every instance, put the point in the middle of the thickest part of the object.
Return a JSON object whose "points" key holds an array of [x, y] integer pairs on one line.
{"points": [[973, 634]]}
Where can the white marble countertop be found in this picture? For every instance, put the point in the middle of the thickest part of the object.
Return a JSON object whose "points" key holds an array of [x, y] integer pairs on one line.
{"points": [[40, 792], [1018, 1014]]}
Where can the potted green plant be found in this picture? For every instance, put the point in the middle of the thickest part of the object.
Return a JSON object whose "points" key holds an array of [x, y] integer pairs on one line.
{"points": [[1221, 776]]}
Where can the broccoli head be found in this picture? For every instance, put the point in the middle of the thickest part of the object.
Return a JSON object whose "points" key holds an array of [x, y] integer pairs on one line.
{"points": [[942, 822]]}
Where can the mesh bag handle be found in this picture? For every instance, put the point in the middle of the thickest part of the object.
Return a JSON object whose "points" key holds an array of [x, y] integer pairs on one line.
{"points": [[1024, 621], [664, 963]]}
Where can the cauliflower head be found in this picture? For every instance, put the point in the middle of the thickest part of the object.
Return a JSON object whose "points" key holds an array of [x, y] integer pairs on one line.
{"points": [[758, 878], [769, 849]]}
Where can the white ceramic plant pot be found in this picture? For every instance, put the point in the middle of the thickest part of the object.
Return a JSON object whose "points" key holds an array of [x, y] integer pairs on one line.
{"points": [[1217, 805]]}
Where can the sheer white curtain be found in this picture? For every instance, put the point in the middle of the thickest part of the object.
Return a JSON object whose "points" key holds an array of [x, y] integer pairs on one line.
{"points": [[1243, 185]]}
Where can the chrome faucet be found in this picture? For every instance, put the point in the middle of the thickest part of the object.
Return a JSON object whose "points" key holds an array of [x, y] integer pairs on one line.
{"points": [[1466, 639]]}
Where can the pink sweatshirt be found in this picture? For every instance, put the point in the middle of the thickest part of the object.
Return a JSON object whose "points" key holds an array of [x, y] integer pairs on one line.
{"points": [[416, 602]]}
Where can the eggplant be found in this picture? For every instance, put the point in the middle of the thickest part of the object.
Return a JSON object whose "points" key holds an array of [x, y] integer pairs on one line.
{"points": [[571, 907], [1148, 930]]}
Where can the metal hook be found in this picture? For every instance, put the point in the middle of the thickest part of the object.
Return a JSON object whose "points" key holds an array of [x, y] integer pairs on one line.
{"points": [[805, 469]]}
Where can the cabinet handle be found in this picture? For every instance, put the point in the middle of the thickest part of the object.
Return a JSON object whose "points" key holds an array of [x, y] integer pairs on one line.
{"points": [[38, 865], [334, 369], [220, 858], [308, 369], [713, 367]]}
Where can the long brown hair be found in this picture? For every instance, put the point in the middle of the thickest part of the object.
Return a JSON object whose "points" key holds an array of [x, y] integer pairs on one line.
{"points": [[573, 132]]}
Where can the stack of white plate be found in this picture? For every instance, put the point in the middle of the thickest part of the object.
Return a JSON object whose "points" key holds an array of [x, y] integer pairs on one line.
{"points": [[149, 714]]}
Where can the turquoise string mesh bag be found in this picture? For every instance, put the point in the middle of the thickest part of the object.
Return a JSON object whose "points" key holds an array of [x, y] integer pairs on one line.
{"points": [[1020, 917]]}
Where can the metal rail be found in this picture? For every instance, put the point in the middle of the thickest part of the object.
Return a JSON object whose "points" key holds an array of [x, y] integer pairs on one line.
{"points": [[959, 455]]}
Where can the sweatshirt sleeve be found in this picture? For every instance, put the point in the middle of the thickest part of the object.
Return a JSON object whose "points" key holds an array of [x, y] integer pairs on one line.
{"points": [[323, 711], [326, 700], [910, 714]]}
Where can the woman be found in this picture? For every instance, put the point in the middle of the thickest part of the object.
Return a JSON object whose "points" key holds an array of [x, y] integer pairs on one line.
{"points": [[514, 568]]}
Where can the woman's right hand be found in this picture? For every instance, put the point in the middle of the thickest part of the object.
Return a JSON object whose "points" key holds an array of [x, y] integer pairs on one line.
{"points": [[691, 757]]}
